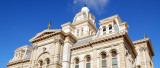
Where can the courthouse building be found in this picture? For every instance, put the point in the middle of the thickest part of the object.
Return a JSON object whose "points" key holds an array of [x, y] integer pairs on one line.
{"points": [[80, 44]]}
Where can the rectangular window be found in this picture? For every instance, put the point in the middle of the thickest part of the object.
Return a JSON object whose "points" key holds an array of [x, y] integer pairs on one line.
{"points": [[88, 65], [114, 63], [104, 64]]}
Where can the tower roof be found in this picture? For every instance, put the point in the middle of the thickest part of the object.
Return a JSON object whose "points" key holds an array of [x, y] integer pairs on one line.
{"points": [[85, 9]]}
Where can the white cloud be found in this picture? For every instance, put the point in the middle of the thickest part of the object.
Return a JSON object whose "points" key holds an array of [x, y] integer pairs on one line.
{"points": [[96, 5]]}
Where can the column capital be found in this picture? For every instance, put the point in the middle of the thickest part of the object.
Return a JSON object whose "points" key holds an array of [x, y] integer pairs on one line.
{"points": [[59, 41], [68, 40]]}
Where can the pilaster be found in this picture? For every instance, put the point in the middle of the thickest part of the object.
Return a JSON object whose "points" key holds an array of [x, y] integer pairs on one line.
{"points": [[94, 58], [122, 55], [57, 61], [66, 53]]}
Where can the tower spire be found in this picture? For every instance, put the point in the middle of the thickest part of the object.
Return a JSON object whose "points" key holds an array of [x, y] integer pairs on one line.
{"points": [[49, 25]]}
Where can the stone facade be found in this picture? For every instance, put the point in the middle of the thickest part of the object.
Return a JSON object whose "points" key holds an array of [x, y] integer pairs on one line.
{"points": [[81, 45]]}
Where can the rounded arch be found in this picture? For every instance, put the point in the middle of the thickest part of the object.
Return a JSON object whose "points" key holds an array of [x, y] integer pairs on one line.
{"points": [[104, 28], [76, 58], [76, 62], [47, 60], [102, 52], [43, 53], [110, 27], [41, 59], [113, 52], [87, 57]]}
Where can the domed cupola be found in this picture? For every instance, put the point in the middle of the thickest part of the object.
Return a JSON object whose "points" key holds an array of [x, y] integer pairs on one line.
{"points": [[85, 9], [82, 15], [84, 23]]}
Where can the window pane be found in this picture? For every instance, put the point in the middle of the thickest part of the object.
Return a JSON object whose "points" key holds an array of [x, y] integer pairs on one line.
{"points": [[88, 65], [104, 29], [103, 63], [88, 59], [103, 56], [114, 63], [110, 27], [114, 54], [77, 66], [114, 66]]}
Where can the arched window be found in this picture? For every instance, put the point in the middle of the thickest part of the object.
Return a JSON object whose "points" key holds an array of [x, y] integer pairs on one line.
{"points": [[103, 60], [104, 28], [110, 27], [76, 63], [40, 63], [138, 66], [48, 61], [87, 61], [114, 59]]}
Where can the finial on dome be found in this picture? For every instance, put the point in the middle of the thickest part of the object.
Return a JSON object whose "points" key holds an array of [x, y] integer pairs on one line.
{"points": [[85, 5]]}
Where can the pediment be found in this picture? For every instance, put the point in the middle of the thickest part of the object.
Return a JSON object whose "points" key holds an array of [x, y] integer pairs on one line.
{"points": [[44, 33]]}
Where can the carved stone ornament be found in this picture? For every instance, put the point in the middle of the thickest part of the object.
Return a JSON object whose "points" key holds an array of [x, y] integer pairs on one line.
{"points": [[60, 41], [44, 49]]}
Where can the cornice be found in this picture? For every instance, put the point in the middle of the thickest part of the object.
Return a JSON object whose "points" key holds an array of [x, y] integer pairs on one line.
{"points": [[21, 48], [97, 40], [109, 19], [140, 41], [107, 38], [58, 32], [71, 36], [84, 21], [66, 24], [145, 40], [17, 62]]}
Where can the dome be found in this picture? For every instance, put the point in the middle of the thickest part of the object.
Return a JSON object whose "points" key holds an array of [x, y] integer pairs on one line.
{"points": [[84, 9]]}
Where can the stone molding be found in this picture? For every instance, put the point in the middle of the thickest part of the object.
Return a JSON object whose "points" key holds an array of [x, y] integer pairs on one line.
{"points": [[67, 24], [104, 39], [17, 62], [145, 40], [84, 21]]}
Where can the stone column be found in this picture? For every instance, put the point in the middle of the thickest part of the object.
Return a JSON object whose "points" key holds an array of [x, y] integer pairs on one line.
{"points": [[57, 52], [66, 53]]}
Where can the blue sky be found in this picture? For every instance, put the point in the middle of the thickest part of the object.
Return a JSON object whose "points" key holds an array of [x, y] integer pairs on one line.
{"points": [[20, 20]]}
